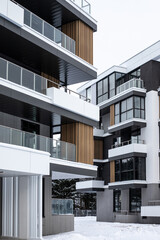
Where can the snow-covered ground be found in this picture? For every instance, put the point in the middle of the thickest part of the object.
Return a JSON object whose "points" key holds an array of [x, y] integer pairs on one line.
{"points": [[86, 228]]}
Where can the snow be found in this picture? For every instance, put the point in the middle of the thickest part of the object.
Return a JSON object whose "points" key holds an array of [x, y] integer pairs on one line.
{"points": [[86, 228]]}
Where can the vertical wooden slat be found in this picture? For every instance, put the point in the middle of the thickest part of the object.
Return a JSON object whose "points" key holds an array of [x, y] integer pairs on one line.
{"points": [[111, 115], [83, 36], [112, 171], [82, 136]]}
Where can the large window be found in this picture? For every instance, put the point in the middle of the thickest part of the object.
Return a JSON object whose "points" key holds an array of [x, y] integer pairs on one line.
{"points": [[135, 74], [102, 90], [133, 107], [133, 168], [135, 200], [106, 88], [116, 200]]}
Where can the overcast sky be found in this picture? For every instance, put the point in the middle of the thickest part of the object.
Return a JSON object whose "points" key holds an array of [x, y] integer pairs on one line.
{"points": [[125, 27]]}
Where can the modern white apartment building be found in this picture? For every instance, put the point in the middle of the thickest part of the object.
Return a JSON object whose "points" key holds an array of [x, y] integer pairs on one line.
{"points": [[127, 140], [45, 45]]}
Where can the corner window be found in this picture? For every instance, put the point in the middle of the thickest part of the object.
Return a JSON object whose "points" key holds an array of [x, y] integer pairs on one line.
{"points": [[133, 107], [135, 200], [116, 200], [133, 168], [135, 74]]}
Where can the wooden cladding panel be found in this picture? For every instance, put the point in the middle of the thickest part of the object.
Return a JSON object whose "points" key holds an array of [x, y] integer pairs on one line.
{"points": [[82, 136], [98, 149], [111, 115], [112, 171], [83, 36], [52, 82]]}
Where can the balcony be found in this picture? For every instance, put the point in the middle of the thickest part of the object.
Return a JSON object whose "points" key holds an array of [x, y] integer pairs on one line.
{"points": [[57, 149], [125, 149], [25, 78], [90, 186], [133, 83], [85, 5], [127, 89]]}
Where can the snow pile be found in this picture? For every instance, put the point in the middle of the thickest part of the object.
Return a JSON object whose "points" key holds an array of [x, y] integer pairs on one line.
{"points": [[86, 228]]}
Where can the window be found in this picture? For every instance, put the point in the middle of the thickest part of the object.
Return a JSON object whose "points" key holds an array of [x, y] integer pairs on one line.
{"points": [[133, 168], [135, 74], [88, 93], [133, 107], [102, 90], [112, 85], [135, 200], [116, 200]]}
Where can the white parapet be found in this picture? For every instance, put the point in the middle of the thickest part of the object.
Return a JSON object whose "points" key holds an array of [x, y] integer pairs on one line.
{"points": [[93, 184], [150, 211], [23, 160], [73, 104], [12, 12], [131, 148]]}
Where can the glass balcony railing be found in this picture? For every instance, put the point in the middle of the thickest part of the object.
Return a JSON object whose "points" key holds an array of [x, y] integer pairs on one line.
{"points": [[135, 82], [47, 30], [85, 5], [30, 80], [62, 206], [57, 148], [132, 141]]}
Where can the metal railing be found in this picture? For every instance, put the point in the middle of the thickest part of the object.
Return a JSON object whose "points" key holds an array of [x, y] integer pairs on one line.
{"points": [[134, 82], [28, 79], [62, 206], [47, 30], [132, 141], [57, 148], [85, 5]]}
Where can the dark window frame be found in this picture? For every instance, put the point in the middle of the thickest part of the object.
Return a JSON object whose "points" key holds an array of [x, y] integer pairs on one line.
{"points": [[116, 194], [137, 161], [133, 198]]}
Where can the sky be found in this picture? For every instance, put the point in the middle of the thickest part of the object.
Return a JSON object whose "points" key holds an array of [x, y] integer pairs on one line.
{"points": [[125, 27]]}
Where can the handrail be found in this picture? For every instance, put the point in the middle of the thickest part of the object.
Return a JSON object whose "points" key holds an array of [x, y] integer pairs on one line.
{"points": [[85, 5], [43, 82], [134, 82], [127, 143], [57, 149]]}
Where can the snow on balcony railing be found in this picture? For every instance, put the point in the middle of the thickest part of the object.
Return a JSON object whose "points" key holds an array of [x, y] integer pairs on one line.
{"points": [[57, 149], [134, 82], [132, 141], [85, 5], [28, 79]]}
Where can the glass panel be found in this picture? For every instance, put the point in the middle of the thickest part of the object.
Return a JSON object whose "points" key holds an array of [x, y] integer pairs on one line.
{"points": [[99, 88], [123, 106], [29, 140], [14, 73], [123, 117], [142, 103], [27, 17], [116, 108], [3, 68], [16, 137], [130, 114], [142, 114], [36, 23], [117, 119], [105, 85], [137, 113], [137, 102], [27, 79], [48, 31], [100, 99], [129, 103], [40, 84], [105, 96], [57, 36], [4, 134], [88, 92]]}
